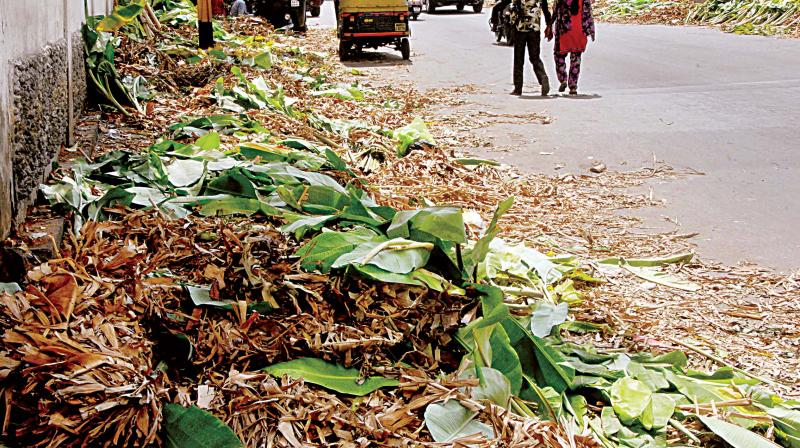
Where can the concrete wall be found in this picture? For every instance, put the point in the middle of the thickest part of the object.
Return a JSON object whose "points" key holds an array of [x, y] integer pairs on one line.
{"points": [[42, 91]]}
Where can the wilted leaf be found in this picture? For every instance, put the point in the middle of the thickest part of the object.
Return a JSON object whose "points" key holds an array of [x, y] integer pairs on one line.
{"points": [[648, 262], [662, 278], [451, 421], [202, 297], [494, 386], [185, 172], [9, 288], [546, 316], [734, 435], [787, 425]]}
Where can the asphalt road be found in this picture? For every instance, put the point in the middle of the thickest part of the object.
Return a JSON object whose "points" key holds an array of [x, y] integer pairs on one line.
{"points": [[699, 99]]}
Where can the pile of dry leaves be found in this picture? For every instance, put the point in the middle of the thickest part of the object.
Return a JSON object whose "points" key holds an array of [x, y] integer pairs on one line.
{"points": [[114, 328]]}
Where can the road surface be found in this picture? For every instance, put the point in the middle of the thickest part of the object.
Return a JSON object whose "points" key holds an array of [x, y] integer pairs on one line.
{"points": [[699, 99]]}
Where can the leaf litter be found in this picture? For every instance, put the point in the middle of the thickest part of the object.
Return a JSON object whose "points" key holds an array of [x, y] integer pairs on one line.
{"points": [[176, 296]]}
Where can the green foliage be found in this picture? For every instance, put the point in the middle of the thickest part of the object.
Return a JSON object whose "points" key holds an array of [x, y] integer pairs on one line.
{"points": [[412, 133], [99, 50], [196, 428], [122, 15], [330, 376], [734, 435], [749, 17]]}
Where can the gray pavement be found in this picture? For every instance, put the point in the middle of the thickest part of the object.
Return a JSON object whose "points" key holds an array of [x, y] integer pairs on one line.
{"points": [[721, 104]]}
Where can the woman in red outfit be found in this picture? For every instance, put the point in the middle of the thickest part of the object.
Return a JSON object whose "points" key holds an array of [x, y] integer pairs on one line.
{"points": [[574, 24], [218, 7]]}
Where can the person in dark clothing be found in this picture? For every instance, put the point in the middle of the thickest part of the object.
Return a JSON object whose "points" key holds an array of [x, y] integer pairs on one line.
{"points": [[204, 26], [526, 16], [497, 9]]}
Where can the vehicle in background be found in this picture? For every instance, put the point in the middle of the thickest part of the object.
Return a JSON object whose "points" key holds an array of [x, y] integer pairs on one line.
{"points": [[504, 28], [373, 24], [314, 7], [415, 7], [477, 5], [282, 12]]}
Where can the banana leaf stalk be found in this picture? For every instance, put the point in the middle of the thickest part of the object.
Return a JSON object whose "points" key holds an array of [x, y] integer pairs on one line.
{"points": [[99, 53]]}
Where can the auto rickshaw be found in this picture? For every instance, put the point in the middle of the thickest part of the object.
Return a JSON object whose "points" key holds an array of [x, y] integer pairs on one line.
{"points": [[373, 24]]}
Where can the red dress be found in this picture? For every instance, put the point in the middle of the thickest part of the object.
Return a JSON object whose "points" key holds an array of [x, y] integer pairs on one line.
{"points": [[218, 7], [574, 40]]}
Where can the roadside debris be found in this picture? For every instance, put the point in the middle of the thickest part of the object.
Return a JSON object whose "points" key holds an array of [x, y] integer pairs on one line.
{"points": [[290, 260], [598, 168], [767, 17]]}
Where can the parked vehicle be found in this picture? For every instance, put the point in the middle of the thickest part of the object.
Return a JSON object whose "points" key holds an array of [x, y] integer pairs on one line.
{"points": [[314, 7], [373, 24], [282, 12], [415, 7], [477, 5], [504, 28]]}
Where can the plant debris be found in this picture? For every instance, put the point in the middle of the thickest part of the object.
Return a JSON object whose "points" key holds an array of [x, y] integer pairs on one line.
{"points": [[271, 250]]}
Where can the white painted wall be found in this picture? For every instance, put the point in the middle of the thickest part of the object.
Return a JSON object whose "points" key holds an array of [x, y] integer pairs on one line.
{"points": [[26, 26]]}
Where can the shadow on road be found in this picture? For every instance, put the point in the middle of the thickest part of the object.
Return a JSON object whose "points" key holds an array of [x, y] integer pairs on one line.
{"points": [[376, 59], [453, 12], [581, 96], [536, 96], [588, 96]]}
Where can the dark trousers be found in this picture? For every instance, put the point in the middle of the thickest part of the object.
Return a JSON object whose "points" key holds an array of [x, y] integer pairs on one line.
{"points": [[531, 40], [206, 34]]}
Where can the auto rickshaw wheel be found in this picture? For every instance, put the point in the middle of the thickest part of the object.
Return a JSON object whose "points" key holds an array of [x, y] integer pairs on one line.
{"points": [[405, 49], [415, 17], [345, 47], [477, 7], [460, 7]]}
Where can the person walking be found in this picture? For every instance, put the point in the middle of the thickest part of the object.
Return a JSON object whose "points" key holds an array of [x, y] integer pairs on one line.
{"points": [[239, 8], [574, 23], [526, 16]]}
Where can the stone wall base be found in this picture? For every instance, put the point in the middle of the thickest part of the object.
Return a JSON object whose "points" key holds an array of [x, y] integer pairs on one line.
{"points": [[41, 113]]}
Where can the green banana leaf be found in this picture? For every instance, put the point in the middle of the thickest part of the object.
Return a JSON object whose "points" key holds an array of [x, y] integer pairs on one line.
{"points": [[398, 256], [734, 435], [330, 376], [121, 16], [193, 427]]}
